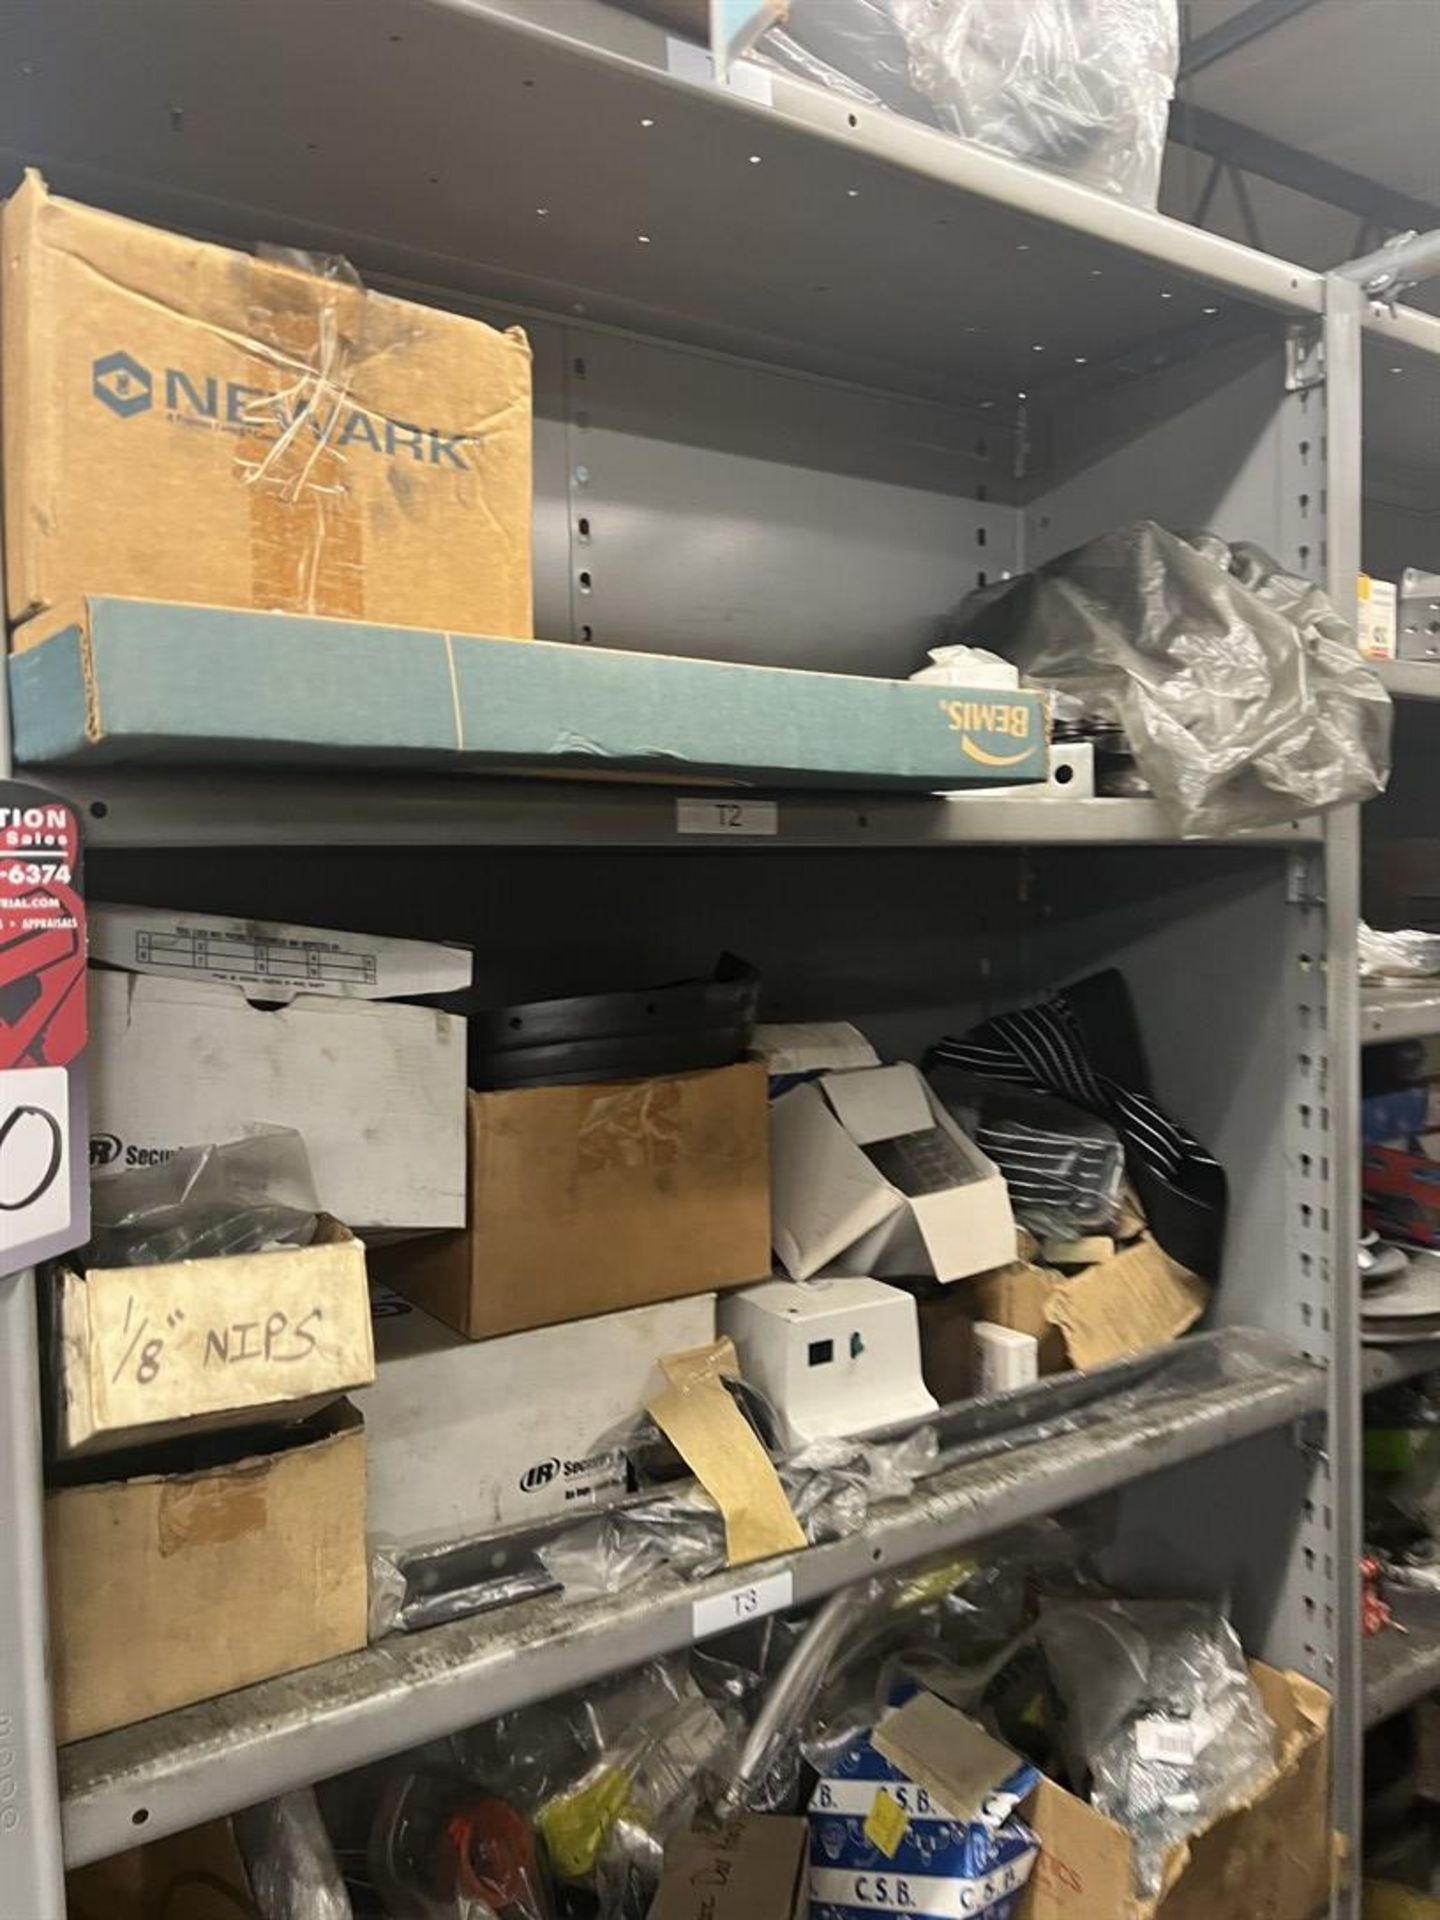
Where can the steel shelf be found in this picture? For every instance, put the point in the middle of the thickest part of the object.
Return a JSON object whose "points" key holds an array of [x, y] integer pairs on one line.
{"points": [[1400, 1013], [1410, 679], [169, 1773], [620, 182], [1401, 1668], [183, 808]]}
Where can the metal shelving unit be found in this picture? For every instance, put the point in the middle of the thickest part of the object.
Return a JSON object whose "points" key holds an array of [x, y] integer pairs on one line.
{"points": [[1402, 1664], [834, 336]]}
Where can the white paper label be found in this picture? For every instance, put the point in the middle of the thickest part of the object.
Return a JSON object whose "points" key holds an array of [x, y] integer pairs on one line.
{"points": [[1171, 1742], [727, 816], [733, 1609]]}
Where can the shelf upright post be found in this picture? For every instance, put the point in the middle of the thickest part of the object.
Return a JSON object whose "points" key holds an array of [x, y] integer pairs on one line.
{"points": [[32, 1874]]}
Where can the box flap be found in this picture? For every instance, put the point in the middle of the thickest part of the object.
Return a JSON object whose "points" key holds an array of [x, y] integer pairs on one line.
{"points": [[825, 1191], [1138, 1300], [1085, 1864], [878, 1103], [942, 1750], [271, 960], [749, 1869], [813, 1047]]}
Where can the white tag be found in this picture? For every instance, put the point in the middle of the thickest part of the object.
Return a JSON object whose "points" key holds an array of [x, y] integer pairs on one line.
{"points": [[1171, 1742], [733, 1609], [727, 816]]}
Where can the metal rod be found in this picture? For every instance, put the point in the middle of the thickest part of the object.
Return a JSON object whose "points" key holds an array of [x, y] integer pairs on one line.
{"points": [[1400, 263], [1238, 31]]}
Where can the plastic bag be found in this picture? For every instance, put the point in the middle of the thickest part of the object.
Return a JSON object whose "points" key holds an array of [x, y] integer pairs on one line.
{"points": [[244, 1197], [290, 1861], [1163, 1714], [1064, 1168], [1238, 686], [1405, 955], [440, 1850], [1081, 86]]}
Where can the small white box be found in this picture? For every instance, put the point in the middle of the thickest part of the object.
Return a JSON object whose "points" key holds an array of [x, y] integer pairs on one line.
{"points": [[1378, 609], [376, 1091], [832, 1205], [1005, 1359], [834, 1356], [464, 1436]]}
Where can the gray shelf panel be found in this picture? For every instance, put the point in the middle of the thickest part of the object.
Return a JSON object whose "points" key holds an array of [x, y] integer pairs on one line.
{"points": [[1401, 452], [562, 160], [1411, 679], [169, 1773], [201, 809], [1400, 1013], [1401, 1668]]}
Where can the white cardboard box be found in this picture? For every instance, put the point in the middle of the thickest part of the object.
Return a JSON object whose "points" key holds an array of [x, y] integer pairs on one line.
{"points": [[1378, 603], [833, 1208], [145, 1353], [465, 1436], [377, 1091]]}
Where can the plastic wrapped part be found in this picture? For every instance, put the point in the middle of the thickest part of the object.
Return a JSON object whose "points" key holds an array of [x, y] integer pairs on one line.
{"points": [[967, 667], [290, 1860], [1065, 1168], [1240, 689], [1162, 1713], [243, 1197], [387, 1589], [1080, 86], [441, 1850], [1405, 955]]}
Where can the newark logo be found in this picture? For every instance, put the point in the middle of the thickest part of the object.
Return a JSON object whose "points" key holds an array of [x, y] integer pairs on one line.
{"points": [[122, 384]]}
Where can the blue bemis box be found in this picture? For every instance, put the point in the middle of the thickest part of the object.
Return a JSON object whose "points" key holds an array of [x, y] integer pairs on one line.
{"points": [[920, 1818]]}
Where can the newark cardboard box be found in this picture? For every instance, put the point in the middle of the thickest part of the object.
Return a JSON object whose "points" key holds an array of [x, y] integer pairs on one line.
{"points": [[189, 1047], [465, 1437], [204, 1566], [145, 1353], [191, 423], [119, 681], [588, 1199]]}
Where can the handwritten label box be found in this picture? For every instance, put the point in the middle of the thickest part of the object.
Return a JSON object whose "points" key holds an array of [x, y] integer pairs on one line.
{"points": [[149, 1353]]}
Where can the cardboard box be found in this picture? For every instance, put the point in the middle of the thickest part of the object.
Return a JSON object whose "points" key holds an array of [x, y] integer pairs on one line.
{"points": [[587, 1200], [1386, 1902], [219, 1563], [1138, 1300], [115, 681], [463, 1438], [194, 1875], [191, 423], [1401, 1191], [376, 1090], [148, 1352], [1378, 604], [1276, 1848], [835, 1208], [752, 1868]]}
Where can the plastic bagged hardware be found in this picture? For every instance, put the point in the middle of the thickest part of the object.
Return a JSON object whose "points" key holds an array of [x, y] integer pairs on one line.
{"points": [[290, 1861], [441, 1849], [1404, 955], [243, 1197], [1065, 1169], [1239, 687], [1163, 1714], [1080, 86]]}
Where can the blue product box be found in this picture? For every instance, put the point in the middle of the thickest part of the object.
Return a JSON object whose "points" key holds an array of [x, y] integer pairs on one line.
{"points": [[129, 682], [1393, 1119], [940, 1867]]}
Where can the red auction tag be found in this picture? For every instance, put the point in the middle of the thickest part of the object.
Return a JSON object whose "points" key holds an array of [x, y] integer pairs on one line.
{"points": [[44, 1176]]}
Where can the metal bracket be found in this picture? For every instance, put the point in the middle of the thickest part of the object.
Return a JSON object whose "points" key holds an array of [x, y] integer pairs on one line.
{"points": [[1304, 357], [1304, 878], [1404, 261]]}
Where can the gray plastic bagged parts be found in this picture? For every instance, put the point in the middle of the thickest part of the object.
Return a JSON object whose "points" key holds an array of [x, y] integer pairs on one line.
{"points": [[1239, 687]]}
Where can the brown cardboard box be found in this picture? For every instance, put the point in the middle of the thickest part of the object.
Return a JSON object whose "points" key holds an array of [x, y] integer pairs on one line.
{"points": [[185, 422], [195, 1875], [753, 1868], [589, 1199], [188, 1580], [1269, 1859], [1138, 1300]]}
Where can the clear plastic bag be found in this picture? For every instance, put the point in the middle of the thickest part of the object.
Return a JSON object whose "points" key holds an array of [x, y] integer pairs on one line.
{"points": [[1238, 686], [441, 1850], [290, 1861], [1163, 1715], [1064, 1168], [243, 1197], [1081, 86], [1402, 956]]}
